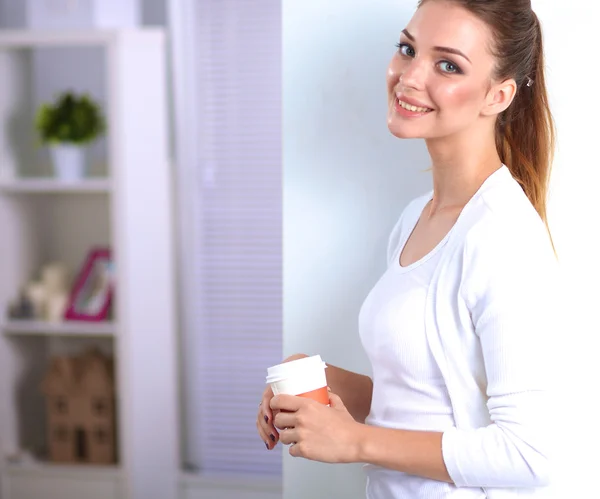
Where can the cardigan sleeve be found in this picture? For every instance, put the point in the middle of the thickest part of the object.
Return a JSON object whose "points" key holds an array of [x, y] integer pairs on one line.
{"points": [[510, 284]]}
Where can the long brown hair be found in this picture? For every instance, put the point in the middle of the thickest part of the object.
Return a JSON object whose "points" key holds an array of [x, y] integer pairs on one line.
{"points": [[525, 133]]}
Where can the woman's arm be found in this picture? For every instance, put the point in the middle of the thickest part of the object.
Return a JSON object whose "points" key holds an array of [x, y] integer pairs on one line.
{"points": [[354, 389], [413, 452], [332, 435]]}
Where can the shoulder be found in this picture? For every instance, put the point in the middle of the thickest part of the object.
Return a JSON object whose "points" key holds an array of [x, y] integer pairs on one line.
{"points": [[408, 219], [505, 242], [507, 272], [504, 223]]}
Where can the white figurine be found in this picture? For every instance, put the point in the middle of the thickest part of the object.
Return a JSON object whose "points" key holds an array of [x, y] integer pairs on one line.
{"points": [[35, 291], [56, 306], [50, 295], [55, 276]]}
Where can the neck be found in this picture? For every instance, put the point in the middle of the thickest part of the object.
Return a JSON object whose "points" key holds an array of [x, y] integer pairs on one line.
{"points": [[460, 165]]}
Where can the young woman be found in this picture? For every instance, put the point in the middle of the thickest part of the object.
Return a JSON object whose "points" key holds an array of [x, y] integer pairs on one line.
{"points": [[459, 326]]}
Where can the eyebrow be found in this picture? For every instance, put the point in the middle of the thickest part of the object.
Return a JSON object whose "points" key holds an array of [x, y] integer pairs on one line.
{"points": [[439, 49]]}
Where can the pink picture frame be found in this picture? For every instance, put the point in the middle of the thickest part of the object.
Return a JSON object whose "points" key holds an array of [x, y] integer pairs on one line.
{"points": [[93, 289]]}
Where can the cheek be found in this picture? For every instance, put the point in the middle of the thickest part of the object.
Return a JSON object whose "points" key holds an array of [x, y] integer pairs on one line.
{"points": [[455, 96], [393, 73]]}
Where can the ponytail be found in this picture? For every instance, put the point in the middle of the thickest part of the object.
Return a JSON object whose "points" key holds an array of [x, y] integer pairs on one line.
{"points": [[525, 133]]}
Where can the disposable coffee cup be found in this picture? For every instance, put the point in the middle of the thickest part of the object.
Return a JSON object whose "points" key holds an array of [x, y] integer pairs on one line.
{"points": [[302, 378]]}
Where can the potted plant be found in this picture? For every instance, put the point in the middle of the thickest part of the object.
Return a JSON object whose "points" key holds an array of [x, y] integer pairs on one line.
{"points": [[67, 126]]}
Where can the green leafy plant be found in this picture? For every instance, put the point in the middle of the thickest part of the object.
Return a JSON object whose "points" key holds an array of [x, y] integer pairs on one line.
{"points": [[72, 119]]}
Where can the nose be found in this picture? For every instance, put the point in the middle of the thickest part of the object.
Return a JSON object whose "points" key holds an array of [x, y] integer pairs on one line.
{"points": [[413, 76]]}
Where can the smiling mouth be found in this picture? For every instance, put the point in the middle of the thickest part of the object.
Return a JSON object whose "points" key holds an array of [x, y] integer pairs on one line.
{"points": [[411, 108]]}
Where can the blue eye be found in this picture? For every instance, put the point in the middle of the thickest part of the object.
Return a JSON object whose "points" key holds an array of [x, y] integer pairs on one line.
{"points": [[449, 67], [406, 49]]}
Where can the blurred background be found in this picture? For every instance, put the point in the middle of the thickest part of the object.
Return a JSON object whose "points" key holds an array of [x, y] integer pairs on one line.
{"points": [[191, 190]]}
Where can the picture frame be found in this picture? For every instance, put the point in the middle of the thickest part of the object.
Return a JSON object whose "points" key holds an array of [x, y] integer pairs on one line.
{"points": [[93, 289]]}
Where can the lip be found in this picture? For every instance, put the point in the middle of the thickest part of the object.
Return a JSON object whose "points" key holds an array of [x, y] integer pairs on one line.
{"points": [[412, 102]]}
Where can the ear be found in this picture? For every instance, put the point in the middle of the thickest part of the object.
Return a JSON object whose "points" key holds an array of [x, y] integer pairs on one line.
{"points": [[500, 97]]}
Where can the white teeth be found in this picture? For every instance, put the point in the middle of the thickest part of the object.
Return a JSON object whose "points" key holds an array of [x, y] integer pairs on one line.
{"points": [[414, 109]]}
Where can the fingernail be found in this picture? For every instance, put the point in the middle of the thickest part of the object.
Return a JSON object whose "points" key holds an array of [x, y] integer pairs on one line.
{"points": [[267, 445], [266, 419], [272, 437]]}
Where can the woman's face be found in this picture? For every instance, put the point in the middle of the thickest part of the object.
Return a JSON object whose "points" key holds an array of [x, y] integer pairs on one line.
{"points": [[439, 79]]}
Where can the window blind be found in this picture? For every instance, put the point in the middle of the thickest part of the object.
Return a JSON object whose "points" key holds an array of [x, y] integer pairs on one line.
{"points": [[235, 331]]}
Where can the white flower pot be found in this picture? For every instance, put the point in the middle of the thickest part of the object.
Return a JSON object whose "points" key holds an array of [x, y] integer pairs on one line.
{"points": [[68, 162]]}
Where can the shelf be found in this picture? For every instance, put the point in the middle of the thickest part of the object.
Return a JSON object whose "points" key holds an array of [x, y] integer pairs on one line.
{"points": [[24, 38], [78, 329], [64, 470], [53, 186]]}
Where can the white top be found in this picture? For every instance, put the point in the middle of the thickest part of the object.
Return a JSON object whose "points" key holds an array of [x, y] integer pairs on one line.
{"points": [[491, 318], [409, 391]]}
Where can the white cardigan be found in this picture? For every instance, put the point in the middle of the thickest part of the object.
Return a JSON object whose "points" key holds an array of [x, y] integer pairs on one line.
{"points": [[491, 318]]}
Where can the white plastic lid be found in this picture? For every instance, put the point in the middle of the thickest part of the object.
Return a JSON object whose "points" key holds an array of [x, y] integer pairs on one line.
{"points": [[295, 368]]}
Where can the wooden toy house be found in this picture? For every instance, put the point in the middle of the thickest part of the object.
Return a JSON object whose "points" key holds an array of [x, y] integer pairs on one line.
{"points": [[80, 409]]}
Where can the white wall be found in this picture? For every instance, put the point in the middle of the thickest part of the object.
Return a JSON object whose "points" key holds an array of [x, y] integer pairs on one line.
{"points": [[346, 182], [570, 28], [347, 179]]}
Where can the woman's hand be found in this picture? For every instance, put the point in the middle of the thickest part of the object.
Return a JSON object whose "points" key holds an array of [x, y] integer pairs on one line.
{"points": [[317, 432], [264, 420]]}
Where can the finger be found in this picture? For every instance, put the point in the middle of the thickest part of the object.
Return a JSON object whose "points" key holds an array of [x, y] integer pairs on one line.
{"points": [[266, 416], [296, 450], [288, 436], [268, 427], [288, 403], [264, 405], [285, 420], [269, 444], [335, 401]]}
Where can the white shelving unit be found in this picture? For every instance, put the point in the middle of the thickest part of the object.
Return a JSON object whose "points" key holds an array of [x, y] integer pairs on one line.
{"points": [[129, 209], [68, 328], [51, 186], [89, 482]]}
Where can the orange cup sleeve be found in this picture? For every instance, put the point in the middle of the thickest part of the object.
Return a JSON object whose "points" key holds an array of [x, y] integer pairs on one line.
{"points": [[320, 395]]}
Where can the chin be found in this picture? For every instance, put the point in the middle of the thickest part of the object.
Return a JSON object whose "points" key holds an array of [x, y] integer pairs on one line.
{"points": [[406, 131]]}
